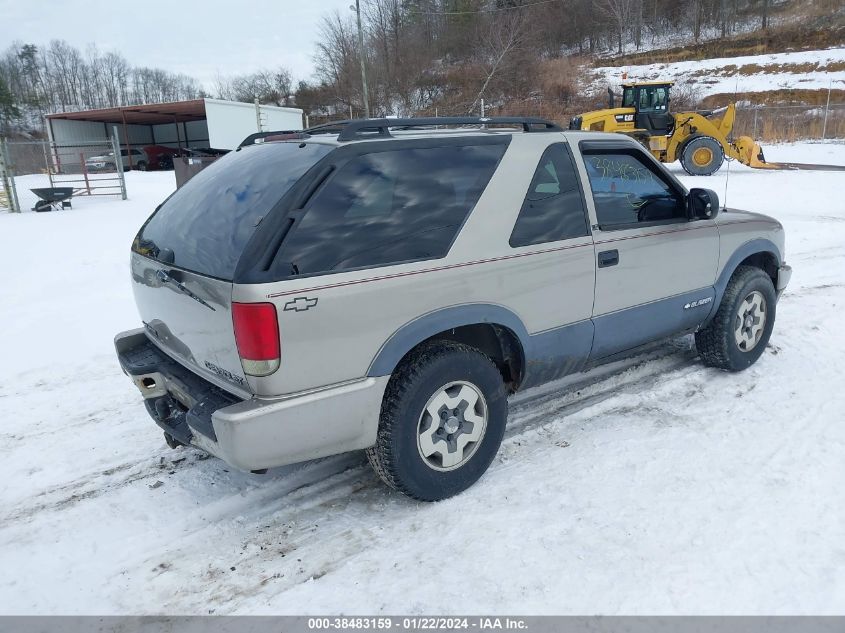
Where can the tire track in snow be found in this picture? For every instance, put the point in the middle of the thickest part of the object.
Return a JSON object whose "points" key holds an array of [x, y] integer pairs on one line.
{"points": [[286, 534], [524, 411]]}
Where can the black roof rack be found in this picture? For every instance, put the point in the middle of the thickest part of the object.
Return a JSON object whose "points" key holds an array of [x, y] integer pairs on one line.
{"points": [[357, 129], [278, 135], [380, 128]]}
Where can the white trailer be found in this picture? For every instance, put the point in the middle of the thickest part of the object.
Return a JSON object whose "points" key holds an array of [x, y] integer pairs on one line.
{"points": [[199, 123]]}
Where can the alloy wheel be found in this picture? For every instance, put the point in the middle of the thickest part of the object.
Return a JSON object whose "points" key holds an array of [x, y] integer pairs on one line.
{"points": [[452, 425]]}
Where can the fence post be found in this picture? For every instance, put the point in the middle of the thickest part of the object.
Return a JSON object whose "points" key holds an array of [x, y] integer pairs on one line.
{"points": [[826, 110], [8, 177], [118, 160], [754, 136], [85, 171], [50, 150]]}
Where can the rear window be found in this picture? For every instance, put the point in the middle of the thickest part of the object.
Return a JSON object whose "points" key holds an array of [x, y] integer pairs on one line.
{"points": [[205, 225], [390, 207]]}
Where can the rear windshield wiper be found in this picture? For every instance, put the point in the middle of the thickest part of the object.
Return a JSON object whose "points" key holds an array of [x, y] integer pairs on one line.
{"points": [[167, 279]]}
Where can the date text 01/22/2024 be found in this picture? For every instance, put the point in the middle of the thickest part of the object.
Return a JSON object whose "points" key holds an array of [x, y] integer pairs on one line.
{"points": [[417, 623]]}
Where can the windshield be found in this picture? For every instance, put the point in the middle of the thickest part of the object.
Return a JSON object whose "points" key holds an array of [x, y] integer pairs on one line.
{"points": [[204, 226]]}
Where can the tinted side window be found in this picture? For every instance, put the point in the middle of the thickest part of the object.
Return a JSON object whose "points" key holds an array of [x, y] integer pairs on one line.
{"points": [[389, 207], [553, 208], [627, 191]]}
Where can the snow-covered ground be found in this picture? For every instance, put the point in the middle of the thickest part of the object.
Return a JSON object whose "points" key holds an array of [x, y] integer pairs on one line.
{"points": [[654, 485], [753, 73]]}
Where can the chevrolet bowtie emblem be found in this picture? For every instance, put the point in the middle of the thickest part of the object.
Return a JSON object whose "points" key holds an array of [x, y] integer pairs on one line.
{"points": [[300, 304]]}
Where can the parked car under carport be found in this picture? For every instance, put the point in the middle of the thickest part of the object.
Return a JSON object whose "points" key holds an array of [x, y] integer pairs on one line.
{"points": [[107, 162]]}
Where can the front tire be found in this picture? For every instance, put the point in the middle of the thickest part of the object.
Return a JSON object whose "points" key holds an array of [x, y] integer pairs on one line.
{"points": [[442, 421], [702, 156], [738, 334]]}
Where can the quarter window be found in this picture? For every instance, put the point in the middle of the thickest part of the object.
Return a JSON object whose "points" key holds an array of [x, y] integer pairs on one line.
{"points": [[391, 206], [553, 208], [626, 191]]}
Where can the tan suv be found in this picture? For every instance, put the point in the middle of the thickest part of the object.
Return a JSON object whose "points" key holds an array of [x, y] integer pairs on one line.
{"points": [[385, 284]]}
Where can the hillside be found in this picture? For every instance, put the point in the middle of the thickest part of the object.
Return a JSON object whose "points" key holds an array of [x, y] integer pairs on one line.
{"points": [[804, 70], [804, 28]]}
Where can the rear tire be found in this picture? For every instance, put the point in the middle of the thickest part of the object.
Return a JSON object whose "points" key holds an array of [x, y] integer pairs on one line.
{"points": [[442, 421], [702, 156], [738, 334]]}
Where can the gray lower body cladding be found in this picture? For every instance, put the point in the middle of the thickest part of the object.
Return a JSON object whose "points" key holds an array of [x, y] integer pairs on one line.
{"points": [[256, 433]]}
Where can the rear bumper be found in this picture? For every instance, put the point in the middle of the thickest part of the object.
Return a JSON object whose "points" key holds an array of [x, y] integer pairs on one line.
{"points": [[256, 433], [784, 275]]}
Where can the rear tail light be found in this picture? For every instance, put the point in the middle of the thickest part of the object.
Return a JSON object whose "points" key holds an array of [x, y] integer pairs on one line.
{"points": [[257, 337]]}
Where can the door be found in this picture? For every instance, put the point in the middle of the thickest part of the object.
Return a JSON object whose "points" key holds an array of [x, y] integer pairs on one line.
{"points": [[653, 109], [655, 269], [554, 271]]}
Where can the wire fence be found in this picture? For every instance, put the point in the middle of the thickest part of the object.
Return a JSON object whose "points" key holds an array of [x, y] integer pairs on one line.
{"points": [[763, 123], [92, 168], [8, 193], [778, 124]]}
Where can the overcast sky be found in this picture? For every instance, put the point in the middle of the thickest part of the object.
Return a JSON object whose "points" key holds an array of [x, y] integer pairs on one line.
{"points": [[200, 38]]}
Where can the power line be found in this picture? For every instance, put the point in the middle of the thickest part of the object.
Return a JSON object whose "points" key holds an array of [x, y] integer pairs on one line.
{"points": [[496, 10]]}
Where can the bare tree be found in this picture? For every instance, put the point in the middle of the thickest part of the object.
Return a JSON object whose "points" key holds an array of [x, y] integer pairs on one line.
{"points": [[337, 59], [273, 87], [497, 40], [621, 12]]}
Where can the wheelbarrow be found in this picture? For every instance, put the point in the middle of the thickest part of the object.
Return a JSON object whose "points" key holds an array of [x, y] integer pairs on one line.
{"points": [[52, 198]]}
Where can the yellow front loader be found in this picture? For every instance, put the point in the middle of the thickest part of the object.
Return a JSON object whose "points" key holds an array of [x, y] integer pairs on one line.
{"points": [[700, 140]]}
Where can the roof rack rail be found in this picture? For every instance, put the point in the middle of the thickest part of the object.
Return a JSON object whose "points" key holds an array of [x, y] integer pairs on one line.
{"points": [[278, 135], [356, 129], [332, 127]]}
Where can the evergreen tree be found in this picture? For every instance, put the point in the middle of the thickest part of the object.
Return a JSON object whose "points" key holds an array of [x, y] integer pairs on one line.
{"points": [[8, 110]]}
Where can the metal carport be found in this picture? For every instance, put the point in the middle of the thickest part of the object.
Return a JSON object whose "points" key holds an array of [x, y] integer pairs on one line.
{"points": [[182, 124]]}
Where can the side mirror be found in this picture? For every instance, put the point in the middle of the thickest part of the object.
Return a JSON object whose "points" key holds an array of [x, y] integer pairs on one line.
{"points": [[702, 204]]}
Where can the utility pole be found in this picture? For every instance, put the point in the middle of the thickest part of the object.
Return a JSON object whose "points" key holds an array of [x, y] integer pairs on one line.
{"points": [[361, 54]]}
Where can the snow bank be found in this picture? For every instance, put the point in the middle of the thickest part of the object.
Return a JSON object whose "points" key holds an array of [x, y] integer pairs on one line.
{"points": [[774, 71]]}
